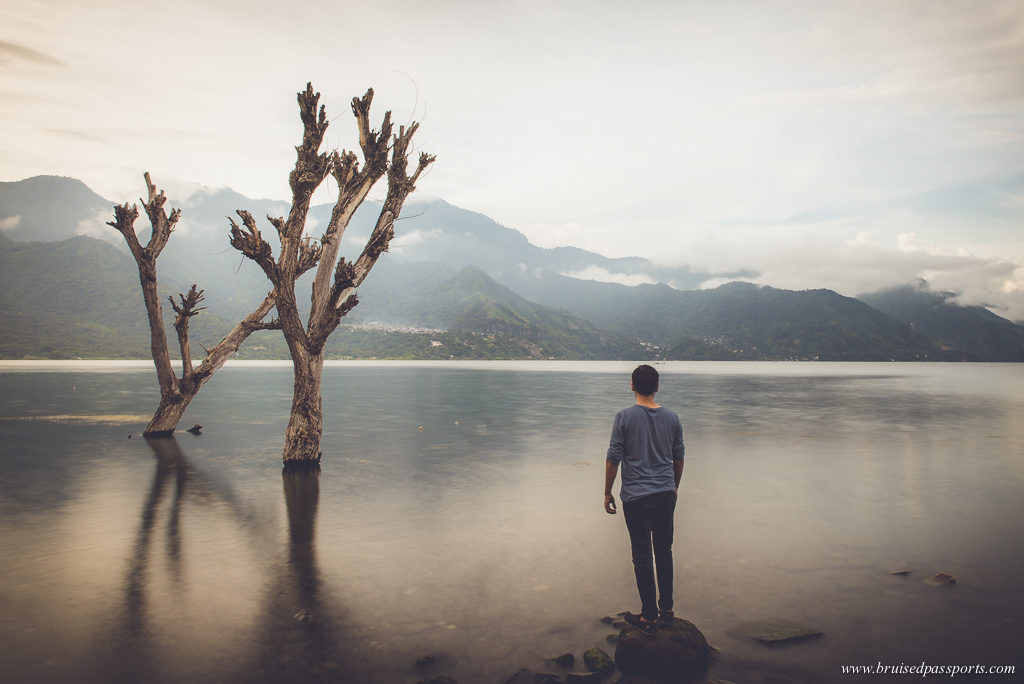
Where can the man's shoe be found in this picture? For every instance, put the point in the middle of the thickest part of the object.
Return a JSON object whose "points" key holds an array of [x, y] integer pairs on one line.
{"points": [[648, 627], [666, 616]]}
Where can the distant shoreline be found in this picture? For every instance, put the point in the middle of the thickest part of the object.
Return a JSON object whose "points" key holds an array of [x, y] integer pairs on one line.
{"points": [[777, 368]]}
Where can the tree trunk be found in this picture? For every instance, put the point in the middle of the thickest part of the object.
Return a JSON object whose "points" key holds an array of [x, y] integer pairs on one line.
{"points": [[306, 424], [169, 413]]}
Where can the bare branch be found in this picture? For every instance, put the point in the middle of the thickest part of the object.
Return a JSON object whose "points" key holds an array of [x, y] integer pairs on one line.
{"points": [[373, 143], [345, 169], [163, 225], [309, 255], [379, 241], [424, 161], [124, 223], [216, 357], [348, 303], [311, 168], [274, 324], [188, 308], [250, 242], [189, 303], [344, 279], [279, 223]]}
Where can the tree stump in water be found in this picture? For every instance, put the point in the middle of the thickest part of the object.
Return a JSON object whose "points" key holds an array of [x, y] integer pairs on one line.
{"points": [[677, 654]]}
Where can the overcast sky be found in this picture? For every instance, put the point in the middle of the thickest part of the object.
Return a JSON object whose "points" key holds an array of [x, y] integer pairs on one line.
{"points": [[845, 144]]}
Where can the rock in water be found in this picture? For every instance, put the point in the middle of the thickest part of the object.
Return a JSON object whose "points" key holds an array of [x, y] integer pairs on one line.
{"points": [[940, 579], [566, 660], [598, 661], [195, 429], [677, 654], [524, 676], [775, 632]]}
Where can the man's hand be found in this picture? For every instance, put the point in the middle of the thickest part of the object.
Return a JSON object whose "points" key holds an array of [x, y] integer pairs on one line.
{"points": [[610, 471], [609, 504]]}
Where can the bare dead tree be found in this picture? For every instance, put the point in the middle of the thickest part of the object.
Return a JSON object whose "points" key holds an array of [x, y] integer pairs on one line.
{"points": [[176, 393], [335, 281]]}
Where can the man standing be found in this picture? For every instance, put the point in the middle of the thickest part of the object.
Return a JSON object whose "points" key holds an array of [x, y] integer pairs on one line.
{"points": [[647, 440]]}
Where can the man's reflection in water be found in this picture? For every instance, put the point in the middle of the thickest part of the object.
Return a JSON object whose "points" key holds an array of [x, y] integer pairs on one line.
{"points": [[295, 637]]}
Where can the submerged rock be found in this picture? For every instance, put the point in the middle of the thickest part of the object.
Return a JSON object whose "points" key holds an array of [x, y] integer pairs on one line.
{"points": [[439, 679], [524, 676], [617, 621], [899, 572], [940, 579], [598, 661], [566, 660], [776, 632], [426, 661], [195, 429], [677, 654]]}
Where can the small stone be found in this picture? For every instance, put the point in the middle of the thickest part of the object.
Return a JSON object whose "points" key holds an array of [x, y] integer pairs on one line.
{"points": [[940, 579], [195, 429], [612, 638], [776, 632], [522, 677], [899, 572], [426, 661], [598, 661], [566, 660]]}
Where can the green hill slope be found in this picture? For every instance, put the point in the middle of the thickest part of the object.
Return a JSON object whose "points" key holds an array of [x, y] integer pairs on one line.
{"points": [[974, 331]]}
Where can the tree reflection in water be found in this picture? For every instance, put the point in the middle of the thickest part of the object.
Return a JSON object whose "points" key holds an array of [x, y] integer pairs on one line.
{"points": [[296, 636]]}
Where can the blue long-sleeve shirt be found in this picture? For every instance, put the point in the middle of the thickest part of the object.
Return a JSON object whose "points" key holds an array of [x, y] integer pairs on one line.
{"points": [[645, 441]]}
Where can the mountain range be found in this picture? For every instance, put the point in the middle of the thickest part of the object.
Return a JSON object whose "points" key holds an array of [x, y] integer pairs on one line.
{"points": [[456, 284]]}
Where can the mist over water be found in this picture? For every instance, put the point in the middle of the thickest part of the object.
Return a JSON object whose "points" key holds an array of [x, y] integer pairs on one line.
{"points": [[481, 538]]}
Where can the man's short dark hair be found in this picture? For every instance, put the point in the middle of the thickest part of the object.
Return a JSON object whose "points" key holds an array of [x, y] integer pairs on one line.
{"points": [[645, 380]]}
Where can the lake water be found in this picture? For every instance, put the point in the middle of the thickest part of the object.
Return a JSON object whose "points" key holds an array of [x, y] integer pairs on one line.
{"points": [[480, 539]]}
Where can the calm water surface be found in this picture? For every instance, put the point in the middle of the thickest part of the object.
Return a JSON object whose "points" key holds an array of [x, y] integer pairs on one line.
{"points": [[481, 539]]}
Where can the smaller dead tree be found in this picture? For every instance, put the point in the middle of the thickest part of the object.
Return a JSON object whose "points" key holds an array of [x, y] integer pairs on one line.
{"points": [[335, 281], [176, 393]]}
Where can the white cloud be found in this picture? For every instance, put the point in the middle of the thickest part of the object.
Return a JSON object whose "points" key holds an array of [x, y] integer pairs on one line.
{"points": [[405, 240], [863, 239], [853, 269], [96, 227], [603, 275]]}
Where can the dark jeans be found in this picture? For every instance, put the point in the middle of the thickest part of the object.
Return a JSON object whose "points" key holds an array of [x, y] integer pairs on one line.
{"points": [[649, 521]]}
